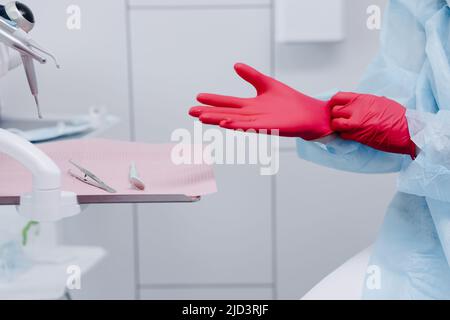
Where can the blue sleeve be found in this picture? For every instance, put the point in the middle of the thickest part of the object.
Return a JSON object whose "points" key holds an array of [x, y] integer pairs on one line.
{"points": [[429, 174], [350, 156]]}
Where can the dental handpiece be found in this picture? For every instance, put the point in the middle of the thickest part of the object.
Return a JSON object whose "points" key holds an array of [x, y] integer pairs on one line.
{"points": [[16, 20], [32, 80], [17, 39]]}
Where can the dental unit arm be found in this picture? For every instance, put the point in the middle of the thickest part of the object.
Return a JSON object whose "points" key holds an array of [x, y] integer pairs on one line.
{"points": [[16, 21], [46, 202]]}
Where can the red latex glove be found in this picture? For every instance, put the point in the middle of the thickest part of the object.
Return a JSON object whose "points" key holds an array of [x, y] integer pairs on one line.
{"points": [[276, 107], [371, 120]]}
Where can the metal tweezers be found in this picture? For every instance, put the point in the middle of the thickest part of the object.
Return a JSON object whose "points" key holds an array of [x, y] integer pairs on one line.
{"points": [[90, 178]]}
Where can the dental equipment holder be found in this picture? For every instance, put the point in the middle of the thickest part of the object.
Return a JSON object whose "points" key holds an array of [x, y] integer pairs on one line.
{"points": [[16, 21], [46, 201]]}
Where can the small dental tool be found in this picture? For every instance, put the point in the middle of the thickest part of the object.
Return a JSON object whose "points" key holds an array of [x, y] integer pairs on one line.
{"points": [[134, 178], [90, 178], [16, 21]]}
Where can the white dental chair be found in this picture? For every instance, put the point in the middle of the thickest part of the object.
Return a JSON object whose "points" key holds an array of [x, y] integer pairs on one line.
{"points": [[345, 283]]}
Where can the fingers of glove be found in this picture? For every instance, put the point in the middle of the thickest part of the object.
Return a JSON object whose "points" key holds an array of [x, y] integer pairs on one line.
{"points": [[196, 111], [239, 124], [253, 76], [199, 110], [217, 100], [341, 111], [342, 98], [341, 125], [217, 118], [248, 124]]}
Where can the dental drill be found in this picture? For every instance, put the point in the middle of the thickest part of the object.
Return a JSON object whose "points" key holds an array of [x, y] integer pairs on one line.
{"points": [[16, 21]]}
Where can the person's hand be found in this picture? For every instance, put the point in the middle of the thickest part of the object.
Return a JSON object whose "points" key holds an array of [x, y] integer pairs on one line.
{"points": [[276, 107], [375, 121]]}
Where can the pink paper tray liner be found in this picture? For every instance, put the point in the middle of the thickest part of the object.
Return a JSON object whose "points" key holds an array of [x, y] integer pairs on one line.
{"points": [[110, 161]]}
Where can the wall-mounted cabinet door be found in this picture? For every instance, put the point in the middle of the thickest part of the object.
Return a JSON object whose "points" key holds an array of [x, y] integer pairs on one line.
{"points": [[176, 53]]}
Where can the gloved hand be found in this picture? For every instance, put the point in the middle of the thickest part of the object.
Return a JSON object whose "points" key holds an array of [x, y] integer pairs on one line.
{"points": [[276, 107], [371, 120]]}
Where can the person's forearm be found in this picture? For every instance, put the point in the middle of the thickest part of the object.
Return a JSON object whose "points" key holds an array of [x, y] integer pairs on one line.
{"points": [[348, 156]]}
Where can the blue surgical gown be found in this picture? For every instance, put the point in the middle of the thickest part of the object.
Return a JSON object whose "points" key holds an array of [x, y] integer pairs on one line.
{"points": [[412, 251]]}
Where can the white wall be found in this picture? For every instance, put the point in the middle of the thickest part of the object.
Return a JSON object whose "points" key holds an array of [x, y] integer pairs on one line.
{"points": [[258, 237]]}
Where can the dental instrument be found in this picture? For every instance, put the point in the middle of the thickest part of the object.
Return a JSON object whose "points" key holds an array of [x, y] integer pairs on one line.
{"points": [[16, 21], [134, 178], [90, 178]]}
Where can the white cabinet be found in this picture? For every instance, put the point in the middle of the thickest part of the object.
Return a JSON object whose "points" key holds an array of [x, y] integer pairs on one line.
{"points": [[324, 217], [225, 238], [110, 227]]}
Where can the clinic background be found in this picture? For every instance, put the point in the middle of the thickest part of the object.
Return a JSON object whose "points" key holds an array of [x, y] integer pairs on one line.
{"points": [[258, 237]]}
